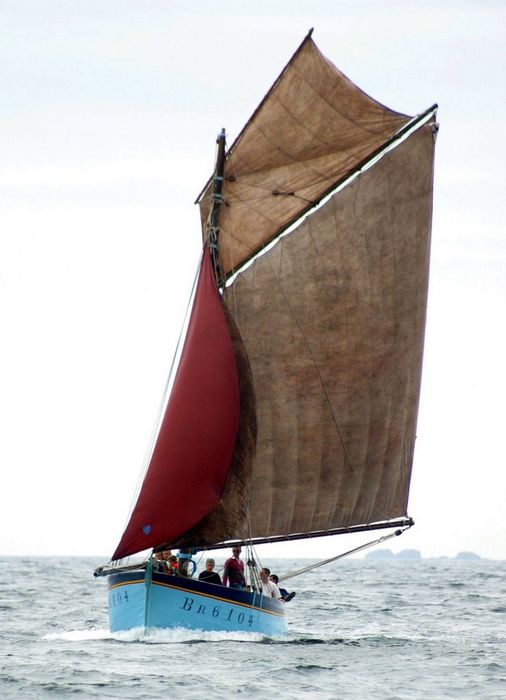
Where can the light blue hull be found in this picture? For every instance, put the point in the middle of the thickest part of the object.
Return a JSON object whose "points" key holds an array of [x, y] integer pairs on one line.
{"points": [[173, 601]]}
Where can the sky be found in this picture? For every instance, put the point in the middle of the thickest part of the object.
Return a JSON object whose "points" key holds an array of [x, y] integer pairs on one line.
{"points": [[109, 114]]}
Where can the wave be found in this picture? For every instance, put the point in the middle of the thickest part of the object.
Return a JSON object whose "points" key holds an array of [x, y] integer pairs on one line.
{"points": [[78, 635], [155, 636]]}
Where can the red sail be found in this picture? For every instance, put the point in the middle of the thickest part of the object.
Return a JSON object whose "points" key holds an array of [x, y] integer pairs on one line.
{"points": [[192, 455]]}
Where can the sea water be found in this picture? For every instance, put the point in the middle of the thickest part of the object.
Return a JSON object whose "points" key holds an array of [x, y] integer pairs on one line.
{"points": [[356, 629]]}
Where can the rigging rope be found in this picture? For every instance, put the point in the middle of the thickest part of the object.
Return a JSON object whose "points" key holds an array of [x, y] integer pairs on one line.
{"points": [[298, 572], [165, 395]]}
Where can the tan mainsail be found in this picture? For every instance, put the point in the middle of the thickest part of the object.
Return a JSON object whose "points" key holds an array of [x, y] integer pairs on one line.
{"points": [[313, 128], [333, 318]]}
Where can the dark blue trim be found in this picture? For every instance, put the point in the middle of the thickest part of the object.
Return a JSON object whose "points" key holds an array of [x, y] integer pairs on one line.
{"points": [[198, 586]]}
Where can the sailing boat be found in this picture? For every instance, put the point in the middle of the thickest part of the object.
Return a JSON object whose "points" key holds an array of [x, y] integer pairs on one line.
{"points": [[293, 409]]}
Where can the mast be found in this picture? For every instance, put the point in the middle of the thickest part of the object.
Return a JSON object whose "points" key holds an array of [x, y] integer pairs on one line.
{"points": [[264, 100], [213, 226]]}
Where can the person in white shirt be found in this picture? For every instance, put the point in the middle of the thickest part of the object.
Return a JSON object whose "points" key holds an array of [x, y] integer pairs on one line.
{"points": [[269, 588]]}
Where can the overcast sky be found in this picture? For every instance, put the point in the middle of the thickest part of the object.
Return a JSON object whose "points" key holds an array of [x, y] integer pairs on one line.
{"points": [[109, 113]]}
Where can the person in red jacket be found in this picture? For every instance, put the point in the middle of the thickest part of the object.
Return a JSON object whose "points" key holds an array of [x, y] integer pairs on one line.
{"points": [[233, 573]]}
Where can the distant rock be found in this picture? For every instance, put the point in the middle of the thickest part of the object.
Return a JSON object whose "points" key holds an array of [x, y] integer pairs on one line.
{"points": [[468, 556], [409, 555], [415, 555], [380, 555]]}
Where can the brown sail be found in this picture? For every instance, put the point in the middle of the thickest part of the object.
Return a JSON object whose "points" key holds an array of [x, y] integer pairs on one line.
{"points": [[313, 127], [333, 318]]}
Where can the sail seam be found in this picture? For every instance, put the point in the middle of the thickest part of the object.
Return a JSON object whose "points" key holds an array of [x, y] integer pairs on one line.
{"points": [[391, 214], [342, 114], [308, 345], [349, 82]]}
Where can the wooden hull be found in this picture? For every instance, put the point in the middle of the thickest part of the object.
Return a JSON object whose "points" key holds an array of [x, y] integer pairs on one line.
{"points": [[166, 601]]}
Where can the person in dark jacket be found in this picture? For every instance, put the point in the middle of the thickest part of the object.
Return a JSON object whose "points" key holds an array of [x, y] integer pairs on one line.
{"points": [[209, 575], [287, 597]]}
